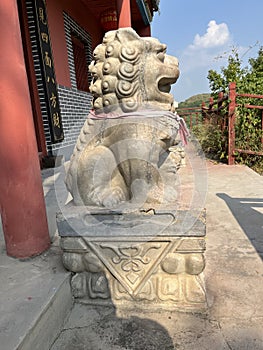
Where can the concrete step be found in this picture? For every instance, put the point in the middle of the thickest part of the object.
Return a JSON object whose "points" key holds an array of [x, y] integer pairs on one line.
{"points": [[35, 300]]}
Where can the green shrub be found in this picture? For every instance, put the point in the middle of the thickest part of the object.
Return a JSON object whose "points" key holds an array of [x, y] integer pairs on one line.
{"points": [[212, 140], [248, 127]]}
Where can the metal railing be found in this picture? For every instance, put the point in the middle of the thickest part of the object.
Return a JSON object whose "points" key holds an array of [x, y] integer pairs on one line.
{"points": [[223, 112]]}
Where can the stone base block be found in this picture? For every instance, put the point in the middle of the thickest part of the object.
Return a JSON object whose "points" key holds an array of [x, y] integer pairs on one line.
{"points": [[137, 264]]}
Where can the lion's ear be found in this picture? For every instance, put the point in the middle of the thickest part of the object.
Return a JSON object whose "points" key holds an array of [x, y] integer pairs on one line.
{"points": [[127, 34]]}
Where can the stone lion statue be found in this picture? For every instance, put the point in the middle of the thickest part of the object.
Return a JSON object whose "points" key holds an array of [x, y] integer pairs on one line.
{"points": [[126, 150]]}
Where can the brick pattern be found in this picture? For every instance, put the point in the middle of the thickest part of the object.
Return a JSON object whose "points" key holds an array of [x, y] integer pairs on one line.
{"points": [[74, 104], [71, 27]]}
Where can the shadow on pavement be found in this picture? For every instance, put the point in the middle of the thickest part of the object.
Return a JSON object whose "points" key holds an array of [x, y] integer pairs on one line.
{"points": [[248, 217], [101, 329], [96, 323]]}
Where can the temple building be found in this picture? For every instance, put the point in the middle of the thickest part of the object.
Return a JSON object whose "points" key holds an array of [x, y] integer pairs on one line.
{"points": [[58, 41], [46, 48]]}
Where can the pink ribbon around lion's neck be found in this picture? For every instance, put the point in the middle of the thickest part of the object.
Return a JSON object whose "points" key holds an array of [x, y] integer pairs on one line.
{"points": [[183, 130]]}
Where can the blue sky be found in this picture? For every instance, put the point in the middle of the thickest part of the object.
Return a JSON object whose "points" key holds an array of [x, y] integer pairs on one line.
{"points": [[199, 32]]}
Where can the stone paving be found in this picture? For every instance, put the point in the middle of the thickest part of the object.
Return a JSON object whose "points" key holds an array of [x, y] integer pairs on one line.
{"points": [[233, 277]]}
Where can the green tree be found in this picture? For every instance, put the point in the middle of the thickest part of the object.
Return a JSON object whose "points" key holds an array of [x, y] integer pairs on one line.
{"points": [[233, 72], [249, 80], [254, 78]]}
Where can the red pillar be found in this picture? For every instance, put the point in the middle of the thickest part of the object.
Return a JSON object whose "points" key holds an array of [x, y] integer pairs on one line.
{"points": [[124, 13], [21, 194]]}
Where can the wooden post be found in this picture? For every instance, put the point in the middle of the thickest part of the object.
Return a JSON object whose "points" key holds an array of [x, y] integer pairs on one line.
{"points": [[211, 102], [219, 101], [231, 123], [22, 202], [203, 112], [210, 110], [191, 121]]}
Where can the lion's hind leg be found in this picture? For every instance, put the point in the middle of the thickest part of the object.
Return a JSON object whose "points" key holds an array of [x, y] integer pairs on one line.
{"points": [[99, 180]]}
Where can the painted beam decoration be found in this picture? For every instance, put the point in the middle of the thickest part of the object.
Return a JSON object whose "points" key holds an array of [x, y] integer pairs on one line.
{"points": [[48, 72]]}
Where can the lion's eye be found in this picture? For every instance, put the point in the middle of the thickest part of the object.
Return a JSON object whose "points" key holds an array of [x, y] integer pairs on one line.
{"points": [[161, 56]]}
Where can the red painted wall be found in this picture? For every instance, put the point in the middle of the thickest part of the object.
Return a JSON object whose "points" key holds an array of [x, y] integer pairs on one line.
{"points": [[83, 16]]}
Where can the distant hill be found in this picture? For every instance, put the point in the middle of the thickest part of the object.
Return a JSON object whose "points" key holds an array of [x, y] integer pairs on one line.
{"points": [[194, 101]]}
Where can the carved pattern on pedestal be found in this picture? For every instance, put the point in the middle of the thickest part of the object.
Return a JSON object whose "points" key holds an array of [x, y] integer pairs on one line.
{"points": [[165, 272], [133, 263], [147, 291], [183, 289]]}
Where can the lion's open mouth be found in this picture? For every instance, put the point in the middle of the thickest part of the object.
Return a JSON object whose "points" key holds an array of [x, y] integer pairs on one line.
{"points": [[164, 84]]}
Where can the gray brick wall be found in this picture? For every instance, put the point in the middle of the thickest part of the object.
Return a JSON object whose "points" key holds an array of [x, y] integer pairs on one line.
{"points": [[74, 104]]}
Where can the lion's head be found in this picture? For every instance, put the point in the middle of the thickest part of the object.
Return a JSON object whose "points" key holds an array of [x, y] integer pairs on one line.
{"points": [[130, 72]]}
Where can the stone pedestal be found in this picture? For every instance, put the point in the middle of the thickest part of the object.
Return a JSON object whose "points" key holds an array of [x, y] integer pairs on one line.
{"points": [[150, 259]]}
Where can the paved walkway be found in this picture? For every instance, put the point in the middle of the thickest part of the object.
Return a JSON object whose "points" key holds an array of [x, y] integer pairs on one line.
{"points": [[233, 275]]}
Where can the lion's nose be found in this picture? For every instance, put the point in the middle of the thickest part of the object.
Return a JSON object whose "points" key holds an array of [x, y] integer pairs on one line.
{"points": [[171, 60]]}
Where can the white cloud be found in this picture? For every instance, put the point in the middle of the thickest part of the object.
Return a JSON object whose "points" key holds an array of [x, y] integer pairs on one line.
{"points": [[190, 59], [205, 50], [216, 35], [196, 59]]}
